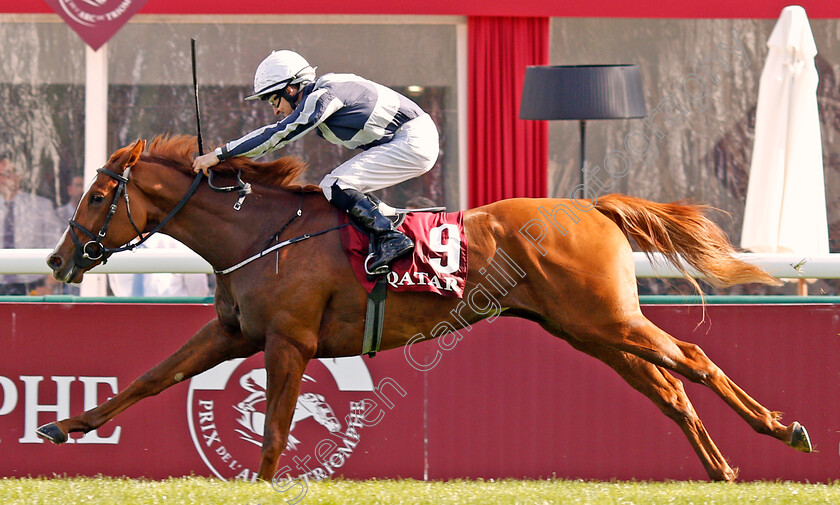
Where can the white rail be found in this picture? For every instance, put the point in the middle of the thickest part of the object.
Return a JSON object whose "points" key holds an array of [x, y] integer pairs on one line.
{"points": [[781, 266], [33, 261]]}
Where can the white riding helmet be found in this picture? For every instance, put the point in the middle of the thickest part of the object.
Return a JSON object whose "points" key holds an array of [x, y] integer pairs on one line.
{"points": [[278, 70]]}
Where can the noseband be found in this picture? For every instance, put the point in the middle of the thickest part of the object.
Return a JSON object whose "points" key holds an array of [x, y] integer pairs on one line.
{"points": [[85, 256]]}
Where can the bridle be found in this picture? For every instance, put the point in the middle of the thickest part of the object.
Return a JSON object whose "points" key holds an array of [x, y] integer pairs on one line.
{"points": [[85, 256]]}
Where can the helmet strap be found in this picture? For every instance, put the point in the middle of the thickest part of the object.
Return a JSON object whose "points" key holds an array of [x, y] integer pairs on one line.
{"points": [[292, 99]]}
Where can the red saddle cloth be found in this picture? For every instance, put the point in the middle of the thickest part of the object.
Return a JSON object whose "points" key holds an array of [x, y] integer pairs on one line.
{"points": [[438, 263]]}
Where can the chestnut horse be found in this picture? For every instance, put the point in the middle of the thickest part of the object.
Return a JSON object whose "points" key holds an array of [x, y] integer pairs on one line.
{"points": [[303, 303]]}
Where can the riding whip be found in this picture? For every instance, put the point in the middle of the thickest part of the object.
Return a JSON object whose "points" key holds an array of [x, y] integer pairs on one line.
{"points": [[197, 109], [243, 188]]}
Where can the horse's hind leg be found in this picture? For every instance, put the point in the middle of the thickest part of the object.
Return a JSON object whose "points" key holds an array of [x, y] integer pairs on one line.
{"points": [[667, 393], [644, 339], [207, 348]]}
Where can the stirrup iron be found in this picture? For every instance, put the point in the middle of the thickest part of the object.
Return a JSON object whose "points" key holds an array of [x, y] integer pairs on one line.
{"points": [[384, 269]]}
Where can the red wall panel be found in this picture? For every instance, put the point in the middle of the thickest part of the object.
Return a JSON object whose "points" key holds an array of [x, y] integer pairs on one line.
{"points": [[508, 400], [519, 402], [64, 342]]}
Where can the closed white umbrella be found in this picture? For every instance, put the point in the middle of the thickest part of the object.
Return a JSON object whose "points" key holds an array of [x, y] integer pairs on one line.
{"points": [[785, 207]]}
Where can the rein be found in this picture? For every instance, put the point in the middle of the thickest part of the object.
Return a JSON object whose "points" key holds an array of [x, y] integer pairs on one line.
{"points": [[92, 251], [280, 245], [244, 188]]}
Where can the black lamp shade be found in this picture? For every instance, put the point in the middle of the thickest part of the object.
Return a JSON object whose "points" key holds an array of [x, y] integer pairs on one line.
{"points": [[582, 92]]}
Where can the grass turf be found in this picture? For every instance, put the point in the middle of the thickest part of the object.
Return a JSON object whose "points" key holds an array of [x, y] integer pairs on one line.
{"points": [[204, 491]]}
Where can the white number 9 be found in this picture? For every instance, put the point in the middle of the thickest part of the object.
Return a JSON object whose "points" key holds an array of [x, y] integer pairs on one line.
{"points": [[452, 248]]}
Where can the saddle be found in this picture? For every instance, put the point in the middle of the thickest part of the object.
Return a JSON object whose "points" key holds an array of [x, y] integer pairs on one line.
{"points": [[437, 264]]}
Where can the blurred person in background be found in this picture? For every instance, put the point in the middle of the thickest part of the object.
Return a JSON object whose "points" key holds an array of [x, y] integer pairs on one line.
{"points": [[75, 190], [27, 221]]}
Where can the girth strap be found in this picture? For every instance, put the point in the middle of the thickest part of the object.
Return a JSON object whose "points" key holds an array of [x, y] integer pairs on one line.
{"points": [[374, 317]]}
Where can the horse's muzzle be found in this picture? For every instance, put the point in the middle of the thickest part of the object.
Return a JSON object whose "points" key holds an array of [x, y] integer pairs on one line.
{"points": [[63, 271]]}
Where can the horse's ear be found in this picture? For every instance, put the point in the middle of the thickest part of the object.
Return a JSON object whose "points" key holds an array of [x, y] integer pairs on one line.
{"points": [[136, 151]]}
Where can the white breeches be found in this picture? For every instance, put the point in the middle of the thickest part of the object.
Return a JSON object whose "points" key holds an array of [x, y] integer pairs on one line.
{"points": [[411, 153]]}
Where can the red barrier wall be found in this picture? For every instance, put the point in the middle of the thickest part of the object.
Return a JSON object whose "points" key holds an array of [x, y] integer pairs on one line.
{"points": [[507, 400]]}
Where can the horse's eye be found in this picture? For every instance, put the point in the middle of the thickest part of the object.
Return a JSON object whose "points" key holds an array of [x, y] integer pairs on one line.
{"points": [[97, 198]]}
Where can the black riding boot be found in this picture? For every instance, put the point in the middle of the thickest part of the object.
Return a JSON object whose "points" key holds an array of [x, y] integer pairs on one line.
{"points": [[389, 243]]}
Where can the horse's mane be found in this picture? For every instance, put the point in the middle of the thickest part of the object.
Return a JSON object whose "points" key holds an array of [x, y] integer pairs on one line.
{"points": [[178, 151]]}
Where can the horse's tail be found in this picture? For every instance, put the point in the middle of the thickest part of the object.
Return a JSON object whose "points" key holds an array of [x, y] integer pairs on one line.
{"points": [[682, 231]]}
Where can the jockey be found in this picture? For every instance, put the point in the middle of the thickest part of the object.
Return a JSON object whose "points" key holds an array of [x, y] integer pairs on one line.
{"points": [[398, 140]]}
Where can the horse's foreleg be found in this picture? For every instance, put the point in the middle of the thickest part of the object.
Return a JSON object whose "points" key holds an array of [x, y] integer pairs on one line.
{"points": [[643, 338], [667, 393], [284, 364], [209, 347]]}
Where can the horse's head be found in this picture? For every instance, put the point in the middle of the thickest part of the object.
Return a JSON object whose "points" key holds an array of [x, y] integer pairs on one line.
{"points": [[315, 406], [103, 219]]}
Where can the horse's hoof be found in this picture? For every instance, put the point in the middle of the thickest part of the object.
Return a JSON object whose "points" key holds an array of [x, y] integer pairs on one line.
{"points": [[726, 474], [799, 438], [52, 433]]}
